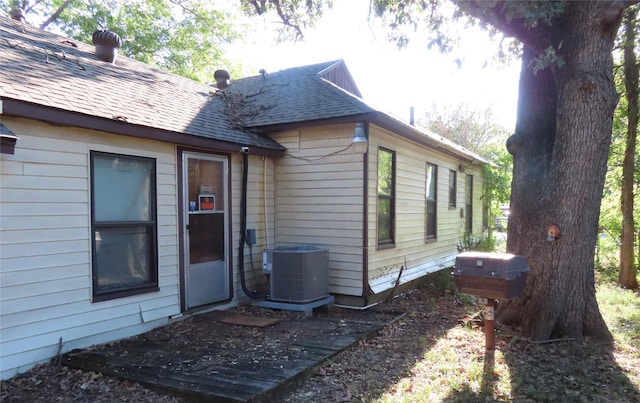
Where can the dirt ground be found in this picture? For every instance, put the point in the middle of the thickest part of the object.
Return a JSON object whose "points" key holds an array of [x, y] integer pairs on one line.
{"points": [[376, 365], [57, 383]]}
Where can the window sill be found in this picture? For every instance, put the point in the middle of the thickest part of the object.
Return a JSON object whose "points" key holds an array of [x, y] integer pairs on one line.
{"points": [[125, 293], [386, 246], [431, 240]]}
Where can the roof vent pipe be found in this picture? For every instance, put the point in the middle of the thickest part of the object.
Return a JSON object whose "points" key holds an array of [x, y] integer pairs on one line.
{"points": [[17, 14], [107, 45], [222, 78]]}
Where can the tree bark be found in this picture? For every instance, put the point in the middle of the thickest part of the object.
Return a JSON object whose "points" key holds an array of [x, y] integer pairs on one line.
{"points": [[627, 277], [559, 173]]}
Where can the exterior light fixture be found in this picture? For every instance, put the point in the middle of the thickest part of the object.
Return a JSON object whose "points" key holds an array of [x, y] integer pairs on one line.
{"points": [[359, 143]]}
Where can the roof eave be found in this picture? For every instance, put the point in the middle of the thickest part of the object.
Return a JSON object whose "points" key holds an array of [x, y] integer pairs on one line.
{"points": [[59, 117], [384, 121], [278, 127], [411, 133]]}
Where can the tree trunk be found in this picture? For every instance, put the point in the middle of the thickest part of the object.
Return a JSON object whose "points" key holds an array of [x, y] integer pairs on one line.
{"points": [[559, 173], [628, 274]]}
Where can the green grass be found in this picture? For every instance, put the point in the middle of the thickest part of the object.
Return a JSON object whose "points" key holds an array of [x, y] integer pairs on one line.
{"points": [[456, 367], [621, 310]]}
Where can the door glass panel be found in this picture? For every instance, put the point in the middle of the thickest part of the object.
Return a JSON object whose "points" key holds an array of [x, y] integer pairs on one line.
{"points": [[206, 179], [206, 237]]}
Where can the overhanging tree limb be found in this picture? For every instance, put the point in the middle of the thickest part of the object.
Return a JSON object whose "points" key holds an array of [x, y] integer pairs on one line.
{"points": [[56, 14]]}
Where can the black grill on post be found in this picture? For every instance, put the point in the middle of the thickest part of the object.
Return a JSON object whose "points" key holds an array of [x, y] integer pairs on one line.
{"points": [[491, 276]]}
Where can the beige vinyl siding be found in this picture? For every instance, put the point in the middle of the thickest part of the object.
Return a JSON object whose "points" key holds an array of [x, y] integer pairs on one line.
{"points": [[45, 254], [257, 218], [411, 251], [319, 188]]}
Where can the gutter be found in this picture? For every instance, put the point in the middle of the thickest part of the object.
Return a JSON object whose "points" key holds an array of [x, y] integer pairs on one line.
{"points": [[60, 117], [388, 122]]}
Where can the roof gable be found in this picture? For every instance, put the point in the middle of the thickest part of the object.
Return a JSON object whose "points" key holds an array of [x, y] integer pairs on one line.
{"points": [[339, 74], [299, 94], [317, 94]]}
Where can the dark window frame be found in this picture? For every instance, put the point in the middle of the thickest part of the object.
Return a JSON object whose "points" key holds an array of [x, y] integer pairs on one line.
{"points": [[468, 204], [386, 239], [431, 203], [453, 188], [148, 228]]}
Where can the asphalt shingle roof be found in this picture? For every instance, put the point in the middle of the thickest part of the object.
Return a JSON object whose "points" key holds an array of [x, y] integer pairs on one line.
{"points": [[297, 94], [50, 70], [46, 69]]}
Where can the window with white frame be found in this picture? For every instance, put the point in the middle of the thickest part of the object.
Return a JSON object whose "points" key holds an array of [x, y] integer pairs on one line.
{"points": [[123, 225]]}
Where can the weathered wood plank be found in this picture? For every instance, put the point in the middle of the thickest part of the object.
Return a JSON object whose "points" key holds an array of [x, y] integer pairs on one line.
{"points": [[222, 371]]}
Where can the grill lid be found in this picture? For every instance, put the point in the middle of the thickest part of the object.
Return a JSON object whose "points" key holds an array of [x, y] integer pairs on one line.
{"points": [[489, 264]]}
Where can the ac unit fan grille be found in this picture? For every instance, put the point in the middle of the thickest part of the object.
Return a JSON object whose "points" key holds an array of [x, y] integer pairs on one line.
{"points": [[299, 274]]}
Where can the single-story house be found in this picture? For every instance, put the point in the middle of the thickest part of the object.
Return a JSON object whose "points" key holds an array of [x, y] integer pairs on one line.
{"points": [[131, 197]]}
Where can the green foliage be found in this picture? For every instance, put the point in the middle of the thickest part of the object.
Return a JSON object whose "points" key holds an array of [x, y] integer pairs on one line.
{"points": [[443, 281], [385, 172], [474, 129], [621, 309], [294, 15], [533, 13], [404, 17], [482, 243], [477, 131], [439, 21], [550, 57], [607, 249], [496, 191], [186, 37]]}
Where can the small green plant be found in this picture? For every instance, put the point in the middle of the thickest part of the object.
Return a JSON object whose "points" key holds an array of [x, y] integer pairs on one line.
{"points": [[467, 299], [483, 243], [444, 282]]}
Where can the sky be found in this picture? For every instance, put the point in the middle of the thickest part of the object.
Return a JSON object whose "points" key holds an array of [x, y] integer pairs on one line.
{"points": [[389, 79]]}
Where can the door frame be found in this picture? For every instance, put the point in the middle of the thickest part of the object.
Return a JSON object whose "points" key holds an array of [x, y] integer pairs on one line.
{"points": [[182, 209]]}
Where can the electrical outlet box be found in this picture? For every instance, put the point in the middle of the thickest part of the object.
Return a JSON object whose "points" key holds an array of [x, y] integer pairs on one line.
{"points": [[267, 256], [251, 237]]}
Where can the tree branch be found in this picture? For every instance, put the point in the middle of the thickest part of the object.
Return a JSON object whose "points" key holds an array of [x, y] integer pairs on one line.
{"points": [[260, 8], [56, 14], [286, 20], [512, 21]]}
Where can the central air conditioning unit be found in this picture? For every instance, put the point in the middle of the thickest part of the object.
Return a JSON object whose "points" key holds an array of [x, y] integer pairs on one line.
{"points": [[299, 273]]}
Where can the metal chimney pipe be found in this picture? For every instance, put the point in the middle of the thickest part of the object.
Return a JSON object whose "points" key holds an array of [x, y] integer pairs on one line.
{"points": [[17, 14], [222, 78], [107, 44]]}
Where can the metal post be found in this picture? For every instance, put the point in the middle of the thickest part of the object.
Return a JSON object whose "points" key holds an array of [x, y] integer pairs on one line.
{"points": [[489, 324]]}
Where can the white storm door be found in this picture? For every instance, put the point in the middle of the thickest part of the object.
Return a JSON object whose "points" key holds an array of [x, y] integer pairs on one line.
{"points": [[205, 233]]}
